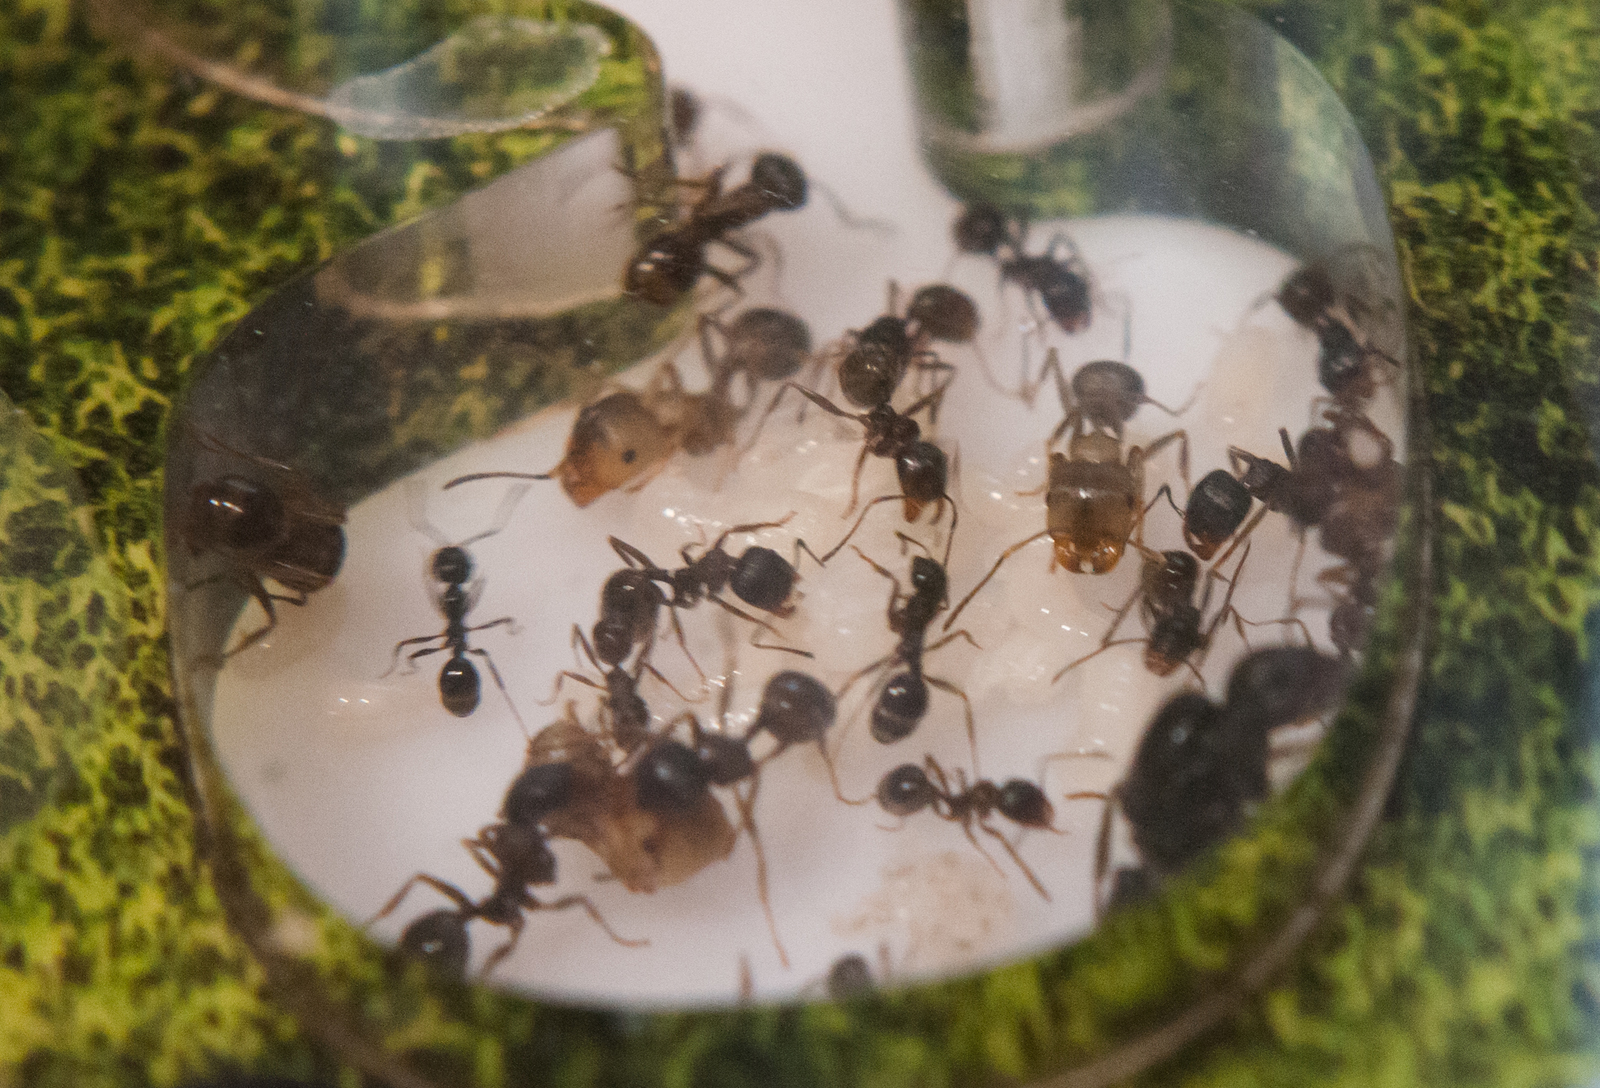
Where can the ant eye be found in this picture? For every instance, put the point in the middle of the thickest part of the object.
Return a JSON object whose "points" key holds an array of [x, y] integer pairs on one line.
{"points": [[629, 456]]}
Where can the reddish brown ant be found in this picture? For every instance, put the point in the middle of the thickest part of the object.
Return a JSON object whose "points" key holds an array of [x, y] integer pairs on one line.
{"points": [[1094, 497], [1060, 284], [624, 438], [667, 267], [282, 533]]}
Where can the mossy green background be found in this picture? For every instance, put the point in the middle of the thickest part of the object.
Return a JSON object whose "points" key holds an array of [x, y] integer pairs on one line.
{"points": [[141, 214]]}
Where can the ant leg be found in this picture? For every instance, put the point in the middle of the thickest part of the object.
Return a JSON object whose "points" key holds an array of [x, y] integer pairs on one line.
{"points": [[833, 551], [501, 684], [966, 703], [683, 643], [761, 625], [1164, 489], [503, 621], [746, 803], [1179, 436], [1029, 390], [645, 666], [1095, 653], [1102, 858], [448, 890], [589, 909], [1194, 395], [402, 644], [1016, 857], [1294, 575], [802, 546], [855, 480], [1007, 554], [1241, 536], [265, 598], [1240, 622], [1227, 603], [515, 926]]}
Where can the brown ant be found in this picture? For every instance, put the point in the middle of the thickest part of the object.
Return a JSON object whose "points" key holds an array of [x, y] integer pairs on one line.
{"points": [[1201, 767], [1094, 497], [669, 265], [902, 699], [759, 577], [1060, 284], [285, 533], [452, 569], [622, 439], [518, 858], [909, 789]]}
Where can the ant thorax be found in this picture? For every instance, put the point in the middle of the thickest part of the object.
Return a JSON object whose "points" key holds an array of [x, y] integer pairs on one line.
{"points": [[696, 811]]}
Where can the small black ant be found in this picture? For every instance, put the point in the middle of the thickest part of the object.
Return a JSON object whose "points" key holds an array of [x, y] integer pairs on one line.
{"points": [[452, 569], [626, 713], [1346, 360], [902, 700], [909, 789], [285, 533], [669, 265], [518, 858], [1201, 767], [1061, 284], [1174, 623], [759, 577]]}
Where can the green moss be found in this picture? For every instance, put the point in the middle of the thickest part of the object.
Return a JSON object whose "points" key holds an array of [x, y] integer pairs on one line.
{"points": [[141, 215]]}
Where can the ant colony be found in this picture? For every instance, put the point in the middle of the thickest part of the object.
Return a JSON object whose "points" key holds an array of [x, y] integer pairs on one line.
{"points": [[952, 580]]}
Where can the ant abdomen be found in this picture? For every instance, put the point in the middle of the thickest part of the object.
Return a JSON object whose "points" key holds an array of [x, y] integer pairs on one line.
{"points": [[537, 792], [780, 179], [924, 475], [763, 579], [670, 778], [459, 686], [944, 313], [795, 709], [1024, 803], [906, 790], [767, 344], [981, 228], [439, 939], [871, 372], [725, 759], [900, 708]]}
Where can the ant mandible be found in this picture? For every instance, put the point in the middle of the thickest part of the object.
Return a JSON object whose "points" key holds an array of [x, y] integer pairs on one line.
{"points": [[286, 534], [669, 265], [1062, 285], [452, 569]]}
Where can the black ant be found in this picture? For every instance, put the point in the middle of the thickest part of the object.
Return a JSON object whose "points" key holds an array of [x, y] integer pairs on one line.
{"points": [[1094, 497], [1201, 767], [518, 858], [452, 569], [669, 265], [902, 700], [1061, 284], [759, 577], [1345, 358], [286, 534], [671, 777], [627, 714], [909, 789], [1174, 623]]}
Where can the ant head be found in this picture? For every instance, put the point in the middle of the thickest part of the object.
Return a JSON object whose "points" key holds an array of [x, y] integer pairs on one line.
{"points": [[906, 790], [780, 178], [233, 512], [981, 228], [944, 313], [452, 565], [439, 939], [613, 442], [1307, 293]]}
